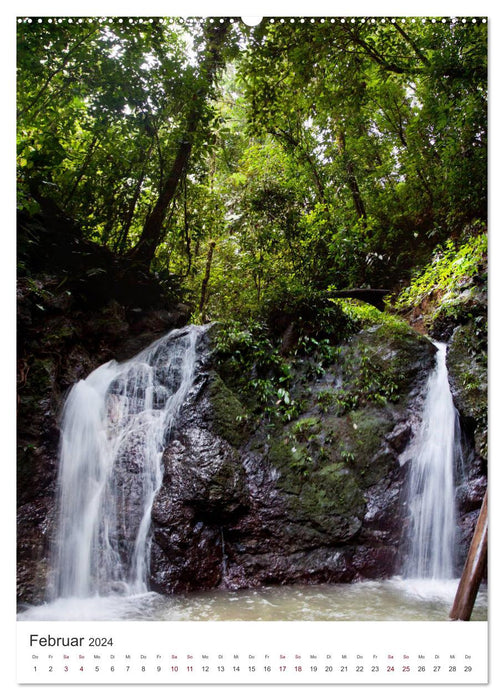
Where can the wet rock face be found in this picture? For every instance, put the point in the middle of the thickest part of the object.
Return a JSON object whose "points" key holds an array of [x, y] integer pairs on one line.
{"points": [[59, 343], [34, 521], [319, 499], [467, 367], [203, 491], [253, 501]]}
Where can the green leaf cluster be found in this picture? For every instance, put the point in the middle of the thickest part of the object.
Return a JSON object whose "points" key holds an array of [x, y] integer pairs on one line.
{"points": [[453, 268], [299, 156]]}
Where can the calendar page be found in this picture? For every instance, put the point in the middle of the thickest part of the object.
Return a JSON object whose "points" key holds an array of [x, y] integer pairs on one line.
{"points": [[252, 282]]}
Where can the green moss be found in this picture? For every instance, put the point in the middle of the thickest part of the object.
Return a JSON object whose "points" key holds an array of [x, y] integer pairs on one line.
{"points": [[229, 418], [337, 489], [332, 501], [288, 455], [322, 494], [357, 440]]}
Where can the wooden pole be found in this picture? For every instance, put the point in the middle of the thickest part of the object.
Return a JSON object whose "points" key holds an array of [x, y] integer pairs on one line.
{"points": [[473, 569]]}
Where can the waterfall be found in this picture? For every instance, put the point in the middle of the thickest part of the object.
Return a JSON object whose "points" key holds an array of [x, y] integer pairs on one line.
{"points": [[114, 428], [437, 451]]}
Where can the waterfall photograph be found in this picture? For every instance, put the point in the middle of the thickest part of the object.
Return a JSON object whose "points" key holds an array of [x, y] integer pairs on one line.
{"points": [[252, 319]]}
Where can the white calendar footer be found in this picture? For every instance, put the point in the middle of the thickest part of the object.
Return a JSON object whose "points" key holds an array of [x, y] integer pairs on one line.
{"points": [[252, 652]]}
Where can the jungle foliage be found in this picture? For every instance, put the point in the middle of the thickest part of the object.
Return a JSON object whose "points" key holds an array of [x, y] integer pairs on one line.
{"points": [[257, 166]]}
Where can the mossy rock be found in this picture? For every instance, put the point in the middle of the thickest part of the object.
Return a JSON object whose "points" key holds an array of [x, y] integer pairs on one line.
{"points": [[329, 502], [372, 460], [358, 439], [398, 353], [228, 415], [292, 460], [322, 497], [306, 428], [332, 490]]}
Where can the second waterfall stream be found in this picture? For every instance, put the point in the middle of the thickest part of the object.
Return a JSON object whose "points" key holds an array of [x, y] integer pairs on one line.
{"points": [[432, 496]]}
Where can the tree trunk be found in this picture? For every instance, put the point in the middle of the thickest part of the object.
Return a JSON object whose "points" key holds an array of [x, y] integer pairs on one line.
{"points": [[123, 235], [350, 177], [85, 165], [206, 279], [297, 149], [187, 233], [152, 233]]}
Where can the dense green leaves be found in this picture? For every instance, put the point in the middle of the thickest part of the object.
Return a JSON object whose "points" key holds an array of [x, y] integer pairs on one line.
{"points": [[398, 116], [308, 155]]}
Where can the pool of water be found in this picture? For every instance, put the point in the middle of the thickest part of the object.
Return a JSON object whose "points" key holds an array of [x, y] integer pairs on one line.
{"points": [[394, 599]]}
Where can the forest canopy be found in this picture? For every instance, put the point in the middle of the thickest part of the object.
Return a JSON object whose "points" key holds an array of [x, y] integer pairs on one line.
{"points": [[246, 164]]}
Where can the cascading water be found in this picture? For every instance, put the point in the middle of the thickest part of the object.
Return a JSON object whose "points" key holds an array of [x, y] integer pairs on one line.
{"points": [[437, 451], [115, 425]]}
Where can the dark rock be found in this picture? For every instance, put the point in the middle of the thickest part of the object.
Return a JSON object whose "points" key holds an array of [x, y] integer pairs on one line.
{"points": [[75, 304], [374, 562], [245, 500], [34, 522], [467, 366], [467, 526], [470, 493], [400, 436], [383, 520], [320, 565], [317, 500], [203, 491]]}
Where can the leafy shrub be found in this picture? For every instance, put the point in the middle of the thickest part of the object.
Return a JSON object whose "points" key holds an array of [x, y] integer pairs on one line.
{"points": [[452, 269], [250, 362], [310, 310], [451, 291]]}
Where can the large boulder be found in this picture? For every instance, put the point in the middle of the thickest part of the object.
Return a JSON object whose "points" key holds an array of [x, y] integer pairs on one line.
{"points": [[320, 498]]}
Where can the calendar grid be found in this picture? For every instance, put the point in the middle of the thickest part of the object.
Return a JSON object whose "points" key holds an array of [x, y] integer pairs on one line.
{"points": [[259, 652]]}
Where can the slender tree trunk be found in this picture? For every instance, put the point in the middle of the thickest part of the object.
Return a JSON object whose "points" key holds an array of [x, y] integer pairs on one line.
{"points": [[412, 43], [351, 178], [82, 171], [152, 232], [296, 147], [206, 278], [425, 185], [123, 235], [187, 233]]}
